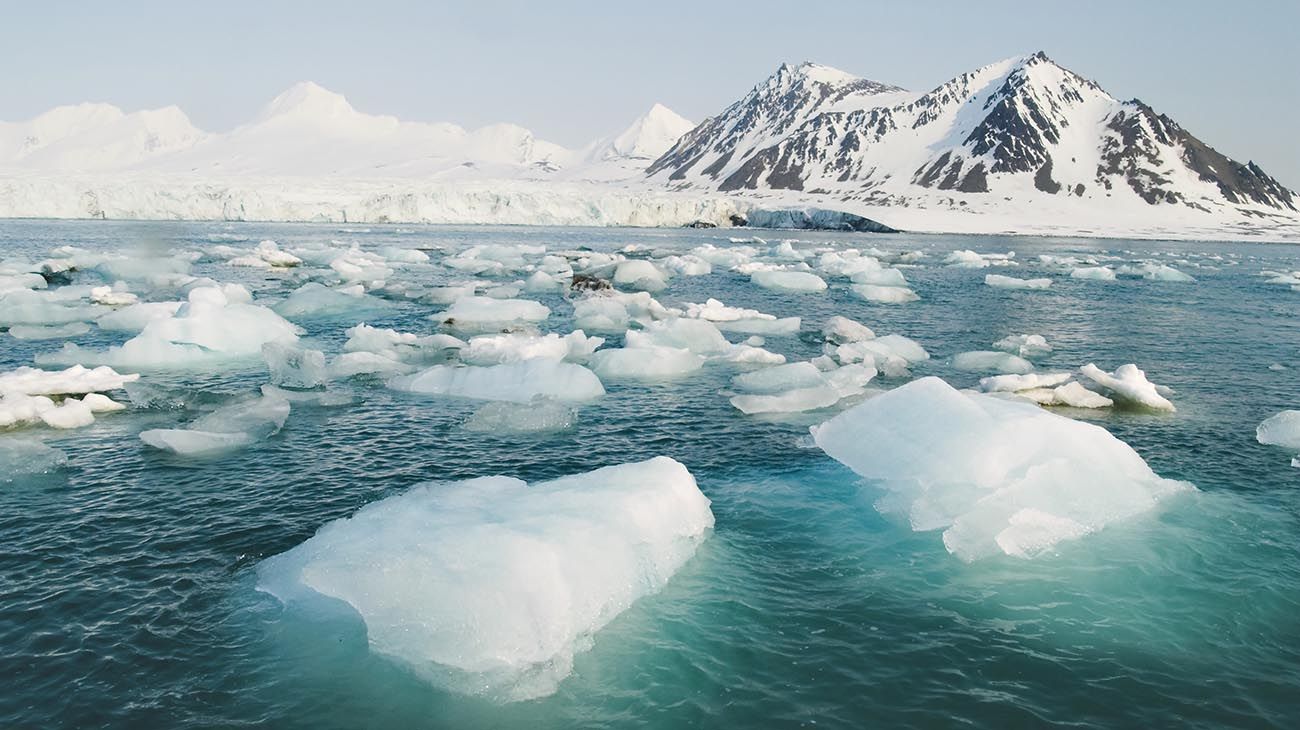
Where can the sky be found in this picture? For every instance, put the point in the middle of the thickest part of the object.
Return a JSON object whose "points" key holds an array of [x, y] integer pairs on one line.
{"points": [[575, 71]]}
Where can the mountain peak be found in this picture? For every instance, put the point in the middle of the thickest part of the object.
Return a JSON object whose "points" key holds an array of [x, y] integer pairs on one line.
{"points": [[307, 98], [649, 136]]}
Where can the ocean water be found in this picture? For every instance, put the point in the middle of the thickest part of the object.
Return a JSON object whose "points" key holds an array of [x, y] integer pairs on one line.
{"points": [[128, 578]]}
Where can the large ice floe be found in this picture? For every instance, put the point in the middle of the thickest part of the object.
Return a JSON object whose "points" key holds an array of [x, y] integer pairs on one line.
{"points": [[216, 324], [996, 476], [490, 586]]}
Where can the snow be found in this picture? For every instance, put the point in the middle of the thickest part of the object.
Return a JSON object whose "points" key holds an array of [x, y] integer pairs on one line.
{"points": [[492, 585], [1010, 282], [1128, 385], [518, 382], [998, 477]]}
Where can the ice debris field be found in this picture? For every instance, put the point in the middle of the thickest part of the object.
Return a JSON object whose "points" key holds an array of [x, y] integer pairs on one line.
{"points": [[977, 397]]}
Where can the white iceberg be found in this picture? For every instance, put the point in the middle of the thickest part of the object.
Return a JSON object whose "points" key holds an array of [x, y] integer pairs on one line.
{"points": [[490, 586], [1129, 385], [996, 476]]}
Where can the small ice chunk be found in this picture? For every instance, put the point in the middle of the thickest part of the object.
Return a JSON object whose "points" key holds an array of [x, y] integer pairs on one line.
{"points": [[645, 362], [111, 297], [55, 332], [780, 378], [991, 361], [1023, 345], [1281, 429], [478, 312], [317, 300], [835, 386], [884, 294], [1010, 282], [514, 347], [640, 274], [519, 382], [1128, 385], [792, 281], [880, 277], [229, 427], [840, 330], [74, 380], [293, 366], [1095, 273], [25, 457], [540, 416], [1076, 396], [137, 316]]}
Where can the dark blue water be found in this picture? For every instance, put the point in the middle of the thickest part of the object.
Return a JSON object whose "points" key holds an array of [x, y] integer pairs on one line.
{"points": [[127, 579]]}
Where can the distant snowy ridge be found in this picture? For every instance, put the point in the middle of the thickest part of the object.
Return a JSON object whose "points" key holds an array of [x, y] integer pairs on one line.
{"points": [[1020, 146]]}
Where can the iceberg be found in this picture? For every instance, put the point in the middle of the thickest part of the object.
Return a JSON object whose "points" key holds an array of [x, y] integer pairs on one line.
{"points": [[490, 586], [997, 476]]}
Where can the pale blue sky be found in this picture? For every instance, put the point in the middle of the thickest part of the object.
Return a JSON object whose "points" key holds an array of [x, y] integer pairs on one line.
{"points": [[572, 71]]}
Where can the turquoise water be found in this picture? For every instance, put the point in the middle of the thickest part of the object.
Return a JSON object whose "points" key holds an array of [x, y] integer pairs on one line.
{"points": [[127, 579]]}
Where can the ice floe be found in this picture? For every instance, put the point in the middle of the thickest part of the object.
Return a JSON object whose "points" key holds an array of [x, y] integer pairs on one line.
{"points": [[490, 586], [1281, 429], [1010, 282], [996, 476], [1129, 385], [519, 382], [230, 427]]}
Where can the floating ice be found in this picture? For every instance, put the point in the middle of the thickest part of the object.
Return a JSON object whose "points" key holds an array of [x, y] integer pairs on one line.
{"points": [[137, 316], [1097, 273], [1129, 385], [230, 427], [1281, 429], [611, 311], [965, 259], [996, 476], [514, 347], [317, 300], [519, 382], [540, 416], [645, 362], [1011, 282], [793, 281], [1046, 389], [292, 366], [990, 361], [841, 330], [744, 321], [112, 297], [780, 378], [835, 385], [53, 332], [215, 325], [884, 294], [1023, 345], [1155, 272], [398, 346], [75, 380], [23, 457], [490, 586], [476, 312], [640, 274], [24, 306]]}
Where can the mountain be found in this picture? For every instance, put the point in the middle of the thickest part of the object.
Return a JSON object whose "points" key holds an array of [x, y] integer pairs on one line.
{"points": [[651, 135], [1020, 129], [91, 137]]}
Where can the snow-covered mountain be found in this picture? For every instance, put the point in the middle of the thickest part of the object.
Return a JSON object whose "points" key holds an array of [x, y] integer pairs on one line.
{"points": [[94, 137], [310, 131], [1021, 129]]}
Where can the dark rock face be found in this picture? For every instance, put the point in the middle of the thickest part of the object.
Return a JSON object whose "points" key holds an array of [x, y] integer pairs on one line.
{"points": [[807, 130], [816, 219]]}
